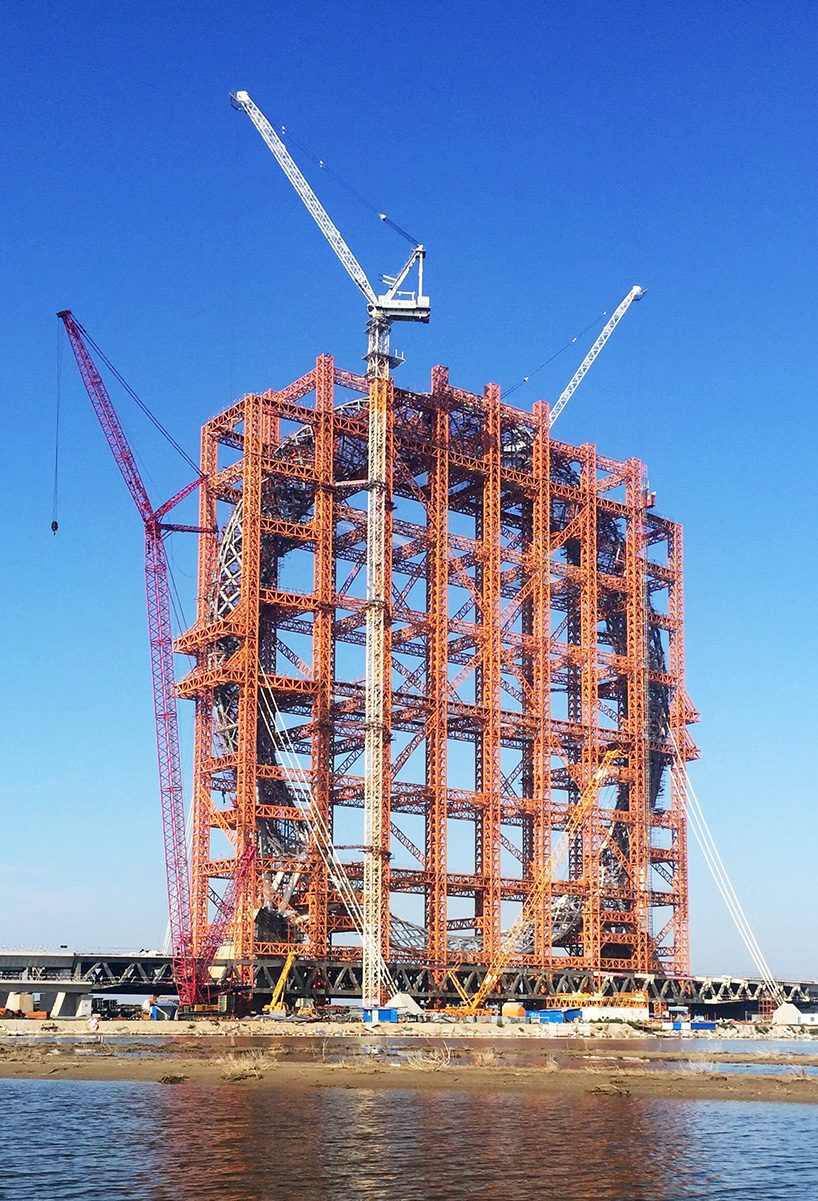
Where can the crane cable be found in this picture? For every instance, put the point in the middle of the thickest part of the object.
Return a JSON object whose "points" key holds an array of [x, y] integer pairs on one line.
{"points": [[513, 388], [362, 200], [55, 525], [713, 859], [279, 736], [151, 416]]}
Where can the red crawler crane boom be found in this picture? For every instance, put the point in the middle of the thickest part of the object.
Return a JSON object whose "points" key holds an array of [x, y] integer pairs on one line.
{"points": [[190, 972]]}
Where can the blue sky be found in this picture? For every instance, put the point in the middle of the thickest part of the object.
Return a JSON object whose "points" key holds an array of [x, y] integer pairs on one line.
{"points": [[549, 156]]}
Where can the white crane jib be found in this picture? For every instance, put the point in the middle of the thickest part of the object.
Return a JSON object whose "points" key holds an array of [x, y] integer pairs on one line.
{"points": [[636, 293], [394, 304]]}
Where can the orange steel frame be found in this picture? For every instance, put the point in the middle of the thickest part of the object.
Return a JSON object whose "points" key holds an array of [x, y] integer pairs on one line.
{"points": [[536, 619]]}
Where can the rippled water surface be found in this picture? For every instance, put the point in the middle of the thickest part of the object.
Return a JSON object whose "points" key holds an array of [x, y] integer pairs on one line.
{"points": [[112, 1141]]}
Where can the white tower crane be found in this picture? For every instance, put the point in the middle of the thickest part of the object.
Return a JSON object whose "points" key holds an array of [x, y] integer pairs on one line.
{"points": [[636, 293], [393, 305]]}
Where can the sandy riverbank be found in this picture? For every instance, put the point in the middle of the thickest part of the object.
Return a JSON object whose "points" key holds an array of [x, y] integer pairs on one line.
{"points": [[427, 1064]]}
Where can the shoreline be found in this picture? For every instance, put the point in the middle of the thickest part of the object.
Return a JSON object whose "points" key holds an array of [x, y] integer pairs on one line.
{"points": [[420, 1063]]}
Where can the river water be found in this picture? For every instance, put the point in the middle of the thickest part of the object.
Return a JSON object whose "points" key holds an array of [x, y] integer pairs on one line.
{"points": [[63, 1140]]}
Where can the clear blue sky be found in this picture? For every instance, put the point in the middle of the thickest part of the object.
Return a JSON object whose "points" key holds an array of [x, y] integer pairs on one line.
{"points": [[549, 156]]}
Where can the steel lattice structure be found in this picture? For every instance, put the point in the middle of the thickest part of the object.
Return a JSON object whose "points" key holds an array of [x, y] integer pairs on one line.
{"points": [[533, 619]]}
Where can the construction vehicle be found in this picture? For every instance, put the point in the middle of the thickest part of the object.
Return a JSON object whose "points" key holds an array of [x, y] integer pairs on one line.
{"points": [[276, 1002]]}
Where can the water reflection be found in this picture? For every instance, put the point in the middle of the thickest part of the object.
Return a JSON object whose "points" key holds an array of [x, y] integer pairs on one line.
{"points": [[69, 1140]]}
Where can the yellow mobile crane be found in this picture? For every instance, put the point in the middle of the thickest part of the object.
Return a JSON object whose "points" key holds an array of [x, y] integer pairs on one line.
{"points": [[276, 1003], [537, 893]]}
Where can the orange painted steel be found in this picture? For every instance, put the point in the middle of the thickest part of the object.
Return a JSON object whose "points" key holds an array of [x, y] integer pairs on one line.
{"points": [[535, 618]]}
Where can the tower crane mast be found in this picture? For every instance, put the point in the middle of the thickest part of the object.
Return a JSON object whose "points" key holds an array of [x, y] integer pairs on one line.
{"points": [[393, 305]]}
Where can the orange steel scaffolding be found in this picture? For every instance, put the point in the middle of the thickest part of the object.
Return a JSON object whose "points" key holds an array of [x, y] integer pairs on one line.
{"points": [[534, 619]]}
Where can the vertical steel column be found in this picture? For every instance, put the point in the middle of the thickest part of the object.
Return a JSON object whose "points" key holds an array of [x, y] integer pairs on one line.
{"points": [[491, 663], [203, 720], [322, 649], [437, 590], [377, 769], [589, 835], [540, 571], [678, 723], [637, 690], [246, 759]]}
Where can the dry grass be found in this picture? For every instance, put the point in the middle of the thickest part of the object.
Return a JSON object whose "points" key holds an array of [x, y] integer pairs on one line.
{"points": [[486, 1057], [433, 1060], [246, 1065]]}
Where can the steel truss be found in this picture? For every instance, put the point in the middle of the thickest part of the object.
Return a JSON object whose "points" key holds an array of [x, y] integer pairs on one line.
{"points": [[530, 611], [138, 975]]}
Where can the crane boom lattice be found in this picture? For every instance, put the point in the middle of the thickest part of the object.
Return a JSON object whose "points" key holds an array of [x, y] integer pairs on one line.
{"points": [[636, 293]]}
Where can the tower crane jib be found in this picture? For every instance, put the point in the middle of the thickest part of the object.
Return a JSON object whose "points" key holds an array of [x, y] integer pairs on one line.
{"points": [[636, 293], [392, 305], [243, 102]]}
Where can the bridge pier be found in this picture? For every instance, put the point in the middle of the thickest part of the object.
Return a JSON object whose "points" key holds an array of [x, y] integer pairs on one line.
{"points": [[67, 1004]]}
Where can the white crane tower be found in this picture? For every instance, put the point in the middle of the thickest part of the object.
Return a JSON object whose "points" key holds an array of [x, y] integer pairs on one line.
{"points": [[393, 305]]}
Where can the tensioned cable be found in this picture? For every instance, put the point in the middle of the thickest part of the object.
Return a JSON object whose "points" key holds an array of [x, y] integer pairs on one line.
{"points": [[175, 595], [705, 837], [315, 820], [707, 843], [744, 932], [508, 391], [154, 420], [761, 960], [280, 737], [367, 204]]}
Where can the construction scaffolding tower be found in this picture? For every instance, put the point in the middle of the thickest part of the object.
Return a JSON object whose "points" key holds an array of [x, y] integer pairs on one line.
{"points": [[532, 618]]}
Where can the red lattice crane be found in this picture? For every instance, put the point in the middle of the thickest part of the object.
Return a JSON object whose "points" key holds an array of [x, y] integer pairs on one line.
{"points": [[190, 972]]}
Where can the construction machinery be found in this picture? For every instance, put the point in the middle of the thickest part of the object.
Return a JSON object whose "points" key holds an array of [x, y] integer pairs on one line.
{"points": [[276, 1002], [396, 303], [191, 966]]}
